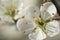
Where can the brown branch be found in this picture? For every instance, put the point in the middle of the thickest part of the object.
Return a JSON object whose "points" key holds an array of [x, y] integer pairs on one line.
{"points": [[57, 18]]}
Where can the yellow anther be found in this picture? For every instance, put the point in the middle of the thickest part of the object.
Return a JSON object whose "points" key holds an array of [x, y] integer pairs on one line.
{"points": [[34, 11], [33, 17], [40, 20], [23, 17], [34, 30]]}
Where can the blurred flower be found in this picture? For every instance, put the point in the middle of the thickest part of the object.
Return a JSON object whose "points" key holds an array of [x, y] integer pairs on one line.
{"points": [[32, 17], [8, 10]]}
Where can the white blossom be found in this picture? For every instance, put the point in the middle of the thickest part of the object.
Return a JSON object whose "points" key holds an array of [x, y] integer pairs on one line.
{"points": [[30, 13], [4, 5]]}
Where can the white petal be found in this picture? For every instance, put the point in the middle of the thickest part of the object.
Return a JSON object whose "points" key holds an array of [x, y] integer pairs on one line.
{"points": [[6, 3], [20, 7], [33, 11], [9, 2], [39, 34], [20, 14], [48, 10], [27, 2], [7, 19], [25, 25], [53, 28], [18, 3]]}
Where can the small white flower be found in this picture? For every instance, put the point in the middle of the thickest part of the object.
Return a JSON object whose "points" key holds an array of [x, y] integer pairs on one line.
{"points": [[4, 8], [30, 13]]}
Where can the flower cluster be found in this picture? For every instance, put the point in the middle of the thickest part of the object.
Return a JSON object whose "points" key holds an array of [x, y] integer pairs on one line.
{"points": [[34, 21]]}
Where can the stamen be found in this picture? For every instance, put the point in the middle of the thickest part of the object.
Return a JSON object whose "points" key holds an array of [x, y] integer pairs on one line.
{"points": [[36, 22], [34, 11], [44, 25], [24, 31], [33, 17], [46, 32], [34, 30], [51, 19], [44, 10], [26, 22], [23, 17]]}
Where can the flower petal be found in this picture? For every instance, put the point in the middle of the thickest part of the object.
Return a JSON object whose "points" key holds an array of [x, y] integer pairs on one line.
{"points": [[39, 34], [6, 19], [30, 12], [20, 14], [53, 28], [25, 25], [33, 11], [9, 2], [48, 10]]}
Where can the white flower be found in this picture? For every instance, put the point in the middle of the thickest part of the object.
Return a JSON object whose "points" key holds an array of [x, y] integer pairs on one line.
{"points": [[4, 9], [29, 14]]}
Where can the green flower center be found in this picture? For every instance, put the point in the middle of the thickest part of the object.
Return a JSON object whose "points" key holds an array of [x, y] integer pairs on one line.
{"points": [[42, 23]]}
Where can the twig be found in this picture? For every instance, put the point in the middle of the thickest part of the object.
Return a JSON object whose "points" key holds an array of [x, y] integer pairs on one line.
{"points": [[56, 18]]}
